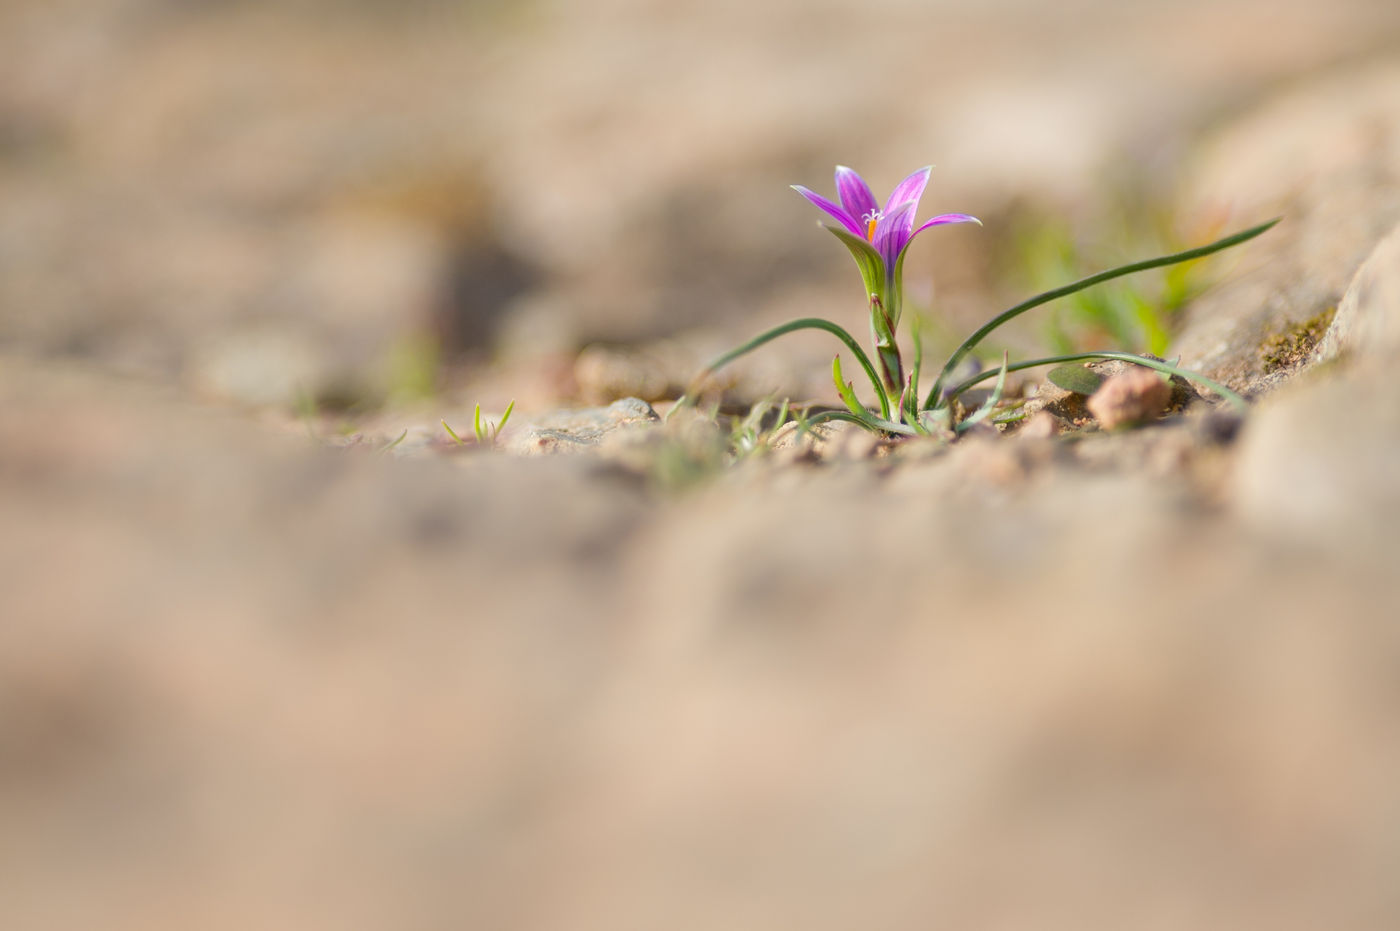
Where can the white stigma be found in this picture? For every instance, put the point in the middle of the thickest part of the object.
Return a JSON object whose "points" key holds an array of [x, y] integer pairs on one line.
{"points": [[870, 219]]}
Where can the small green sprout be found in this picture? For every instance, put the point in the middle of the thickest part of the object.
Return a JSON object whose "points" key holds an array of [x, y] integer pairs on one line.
{"points": [[990, 404], [749, 436], [485, 432], [394, 442], [453, 433]]}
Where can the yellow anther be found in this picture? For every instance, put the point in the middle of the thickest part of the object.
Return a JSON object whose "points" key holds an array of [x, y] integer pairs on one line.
{"points": [[871, 219]]}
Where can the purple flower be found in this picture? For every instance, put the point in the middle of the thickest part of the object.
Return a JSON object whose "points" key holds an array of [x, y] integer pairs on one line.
{"points": [[878, 240], [888, 231]]}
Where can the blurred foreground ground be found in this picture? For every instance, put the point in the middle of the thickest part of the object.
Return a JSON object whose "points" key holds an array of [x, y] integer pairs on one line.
{"points": [[249, 680]]}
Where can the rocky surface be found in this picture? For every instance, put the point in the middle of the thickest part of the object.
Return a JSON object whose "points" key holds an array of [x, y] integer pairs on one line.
{"points": [[576, 430], [1364, 328], [258, 670], [1326, 157]]}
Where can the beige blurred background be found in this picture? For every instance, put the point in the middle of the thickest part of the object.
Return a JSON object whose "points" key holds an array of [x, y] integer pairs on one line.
{"points": [[249, 681], [348, 203]]}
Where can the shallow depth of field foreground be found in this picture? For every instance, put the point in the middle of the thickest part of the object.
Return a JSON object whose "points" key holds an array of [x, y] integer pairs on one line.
{"points": [[295, 633]]}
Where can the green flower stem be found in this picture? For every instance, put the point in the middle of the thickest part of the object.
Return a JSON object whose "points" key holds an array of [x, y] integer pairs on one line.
{"points": [[1234, 399], [886, 349], [891, 367], [1201, 251], [805, 323]]}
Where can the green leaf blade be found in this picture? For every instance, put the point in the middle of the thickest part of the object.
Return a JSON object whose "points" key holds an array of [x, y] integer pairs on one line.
{"points": [[803, 323], [1235, 401], [1007, 315], [1075, 378]]}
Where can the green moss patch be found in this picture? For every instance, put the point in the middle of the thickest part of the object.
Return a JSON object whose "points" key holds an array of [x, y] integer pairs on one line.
{"points": [[1290, 348]]}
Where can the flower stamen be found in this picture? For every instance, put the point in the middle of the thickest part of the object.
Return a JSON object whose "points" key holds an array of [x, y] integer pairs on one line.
{"points": [[870, 219]]}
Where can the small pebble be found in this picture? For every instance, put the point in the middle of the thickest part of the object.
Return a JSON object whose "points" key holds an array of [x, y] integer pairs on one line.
{"points": [[1132, 396], [1041, 426]]}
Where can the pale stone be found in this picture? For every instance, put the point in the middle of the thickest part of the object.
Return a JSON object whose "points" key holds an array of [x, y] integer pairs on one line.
{"points": [[567, 431], [1367, 323], [1135, 395]]}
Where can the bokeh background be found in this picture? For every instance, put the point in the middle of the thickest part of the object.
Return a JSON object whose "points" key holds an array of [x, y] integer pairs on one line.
{"points": [[251, 681], [347, 204]]}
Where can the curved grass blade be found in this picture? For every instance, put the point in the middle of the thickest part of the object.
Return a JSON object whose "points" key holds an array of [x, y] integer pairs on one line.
{"points": [[987, 407], [909, 409], [799, 417], [452, 433], [477, 428], [505, 417], [1235, 400], [844, 387], [868, 422], [392, 443], [804, 323], [1199, 252]]}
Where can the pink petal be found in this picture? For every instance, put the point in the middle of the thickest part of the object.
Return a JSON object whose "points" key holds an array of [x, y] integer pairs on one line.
{"points": [[946, 218], [910, 190], [835, 210], [854, 193], [892, 232]]}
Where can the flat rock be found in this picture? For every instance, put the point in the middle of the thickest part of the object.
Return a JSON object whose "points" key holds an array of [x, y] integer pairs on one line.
{"points": [[1317, 460], [1326, 157], [1367, 324], [568, 431]]}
